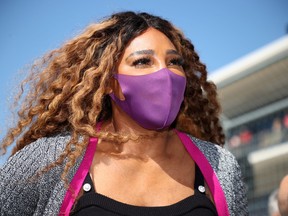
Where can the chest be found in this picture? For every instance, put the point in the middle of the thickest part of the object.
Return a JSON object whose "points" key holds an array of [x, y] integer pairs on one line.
{"points": [[143, 183]]}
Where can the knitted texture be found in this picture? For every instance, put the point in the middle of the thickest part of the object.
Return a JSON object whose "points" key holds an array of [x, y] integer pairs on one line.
{"points": [[21, 195], [228, 173]]}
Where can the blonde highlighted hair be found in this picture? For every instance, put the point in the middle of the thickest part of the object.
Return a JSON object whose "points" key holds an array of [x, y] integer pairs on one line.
{"points": [[68, 87]]}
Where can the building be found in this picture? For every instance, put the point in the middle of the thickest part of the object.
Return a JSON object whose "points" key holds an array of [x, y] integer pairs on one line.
{"points": [[253, 92]]}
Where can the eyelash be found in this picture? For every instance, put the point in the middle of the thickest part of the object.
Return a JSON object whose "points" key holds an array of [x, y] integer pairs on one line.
{"points": [[141, 61], [145, 61], [177, 61]]}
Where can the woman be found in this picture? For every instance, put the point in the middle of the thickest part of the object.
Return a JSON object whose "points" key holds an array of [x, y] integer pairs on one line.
{"points": [[132, 86]]}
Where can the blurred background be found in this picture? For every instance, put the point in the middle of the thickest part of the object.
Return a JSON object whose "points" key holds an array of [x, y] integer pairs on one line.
{"points": [[243, 43]]}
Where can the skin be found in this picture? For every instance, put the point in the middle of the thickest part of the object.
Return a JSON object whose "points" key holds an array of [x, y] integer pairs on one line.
{"points": [[154, 171], [283, 196]]}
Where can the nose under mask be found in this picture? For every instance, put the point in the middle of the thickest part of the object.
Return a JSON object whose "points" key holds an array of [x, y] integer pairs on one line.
{"points": [[152, 100]]}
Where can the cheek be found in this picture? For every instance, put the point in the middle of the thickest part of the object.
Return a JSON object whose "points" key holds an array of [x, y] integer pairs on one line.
{"points": [[178, 71], [134, 71], [124, 69]]}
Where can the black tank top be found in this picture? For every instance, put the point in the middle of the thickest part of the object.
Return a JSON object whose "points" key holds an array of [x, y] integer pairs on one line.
{"points": [[92, 203]]}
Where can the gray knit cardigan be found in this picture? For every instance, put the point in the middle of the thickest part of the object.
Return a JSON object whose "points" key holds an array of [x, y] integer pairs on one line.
{"points": [[19, 195]]}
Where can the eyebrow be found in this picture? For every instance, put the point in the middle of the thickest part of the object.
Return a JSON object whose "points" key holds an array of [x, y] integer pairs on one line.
{"points": [[151, 52], [141, 52], [174, 52]]}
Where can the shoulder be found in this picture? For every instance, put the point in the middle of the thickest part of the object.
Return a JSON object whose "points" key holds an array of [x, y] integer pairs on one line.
{"points": [[218, 156], [50, 145], [36, 155], [228, 172], [19, 194], [222, 161]]}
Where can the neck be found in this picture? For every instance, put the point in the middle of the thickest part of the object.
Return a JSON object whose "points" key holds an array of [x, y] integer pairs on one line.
{"points": [[141, 142]]}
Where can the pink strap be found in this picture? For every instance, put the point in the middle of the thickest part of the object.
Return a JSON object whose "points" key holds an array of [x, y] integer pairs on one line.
{"points": [[78, 179], [208, 173], [195, 153]]}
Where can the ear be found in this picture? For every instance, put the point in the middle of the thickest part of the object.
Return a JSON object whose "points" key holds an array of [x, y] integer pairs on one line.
{"points": [[115, 87], [109, 89]]}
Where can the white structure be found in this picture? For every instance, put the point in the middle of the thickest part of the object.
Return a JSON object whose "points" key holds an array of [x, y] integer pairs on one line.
{"points": [[253, 92]]}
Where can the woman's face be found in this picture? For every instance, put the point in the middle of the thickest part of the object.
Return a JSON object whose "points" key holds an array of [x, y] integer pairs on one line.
{"points": [[150, 52]]}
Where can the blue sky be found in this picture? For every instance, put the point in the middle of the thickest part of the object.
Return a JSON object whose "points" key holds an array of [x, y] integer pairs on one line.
{"points": [[222, 31]]}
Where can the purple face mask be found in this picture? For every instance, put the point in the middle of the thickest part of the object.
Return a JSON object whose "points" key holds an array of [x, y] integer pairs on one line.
{"points": [[152, 100]]}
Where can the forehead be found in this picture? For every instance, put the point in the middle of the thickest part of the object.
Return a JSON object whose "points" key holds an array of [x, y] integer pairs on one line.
{"points": [[150, 39]]}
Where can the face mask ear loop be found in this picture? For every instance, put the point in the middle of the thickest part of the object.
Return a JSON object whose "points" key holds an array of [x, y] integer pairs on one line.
{"points": [[116, 89]]}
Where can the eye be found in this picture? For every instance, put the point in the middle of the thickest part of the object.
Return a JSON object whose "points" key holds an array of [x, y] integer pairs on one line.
{"points": [[176, 62], [142, 62]]}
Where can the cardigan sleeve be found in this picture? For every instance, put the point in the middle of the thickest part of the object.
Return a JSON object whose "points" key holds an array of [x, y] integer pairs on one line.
{"points": [[240, 206], [228, 173], [230, 177], [19, 191]]}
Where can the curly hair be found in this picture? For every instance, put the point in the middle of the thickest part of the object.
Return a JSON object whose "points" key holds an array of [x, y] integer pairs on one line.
{"points": [[68, 87]]}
